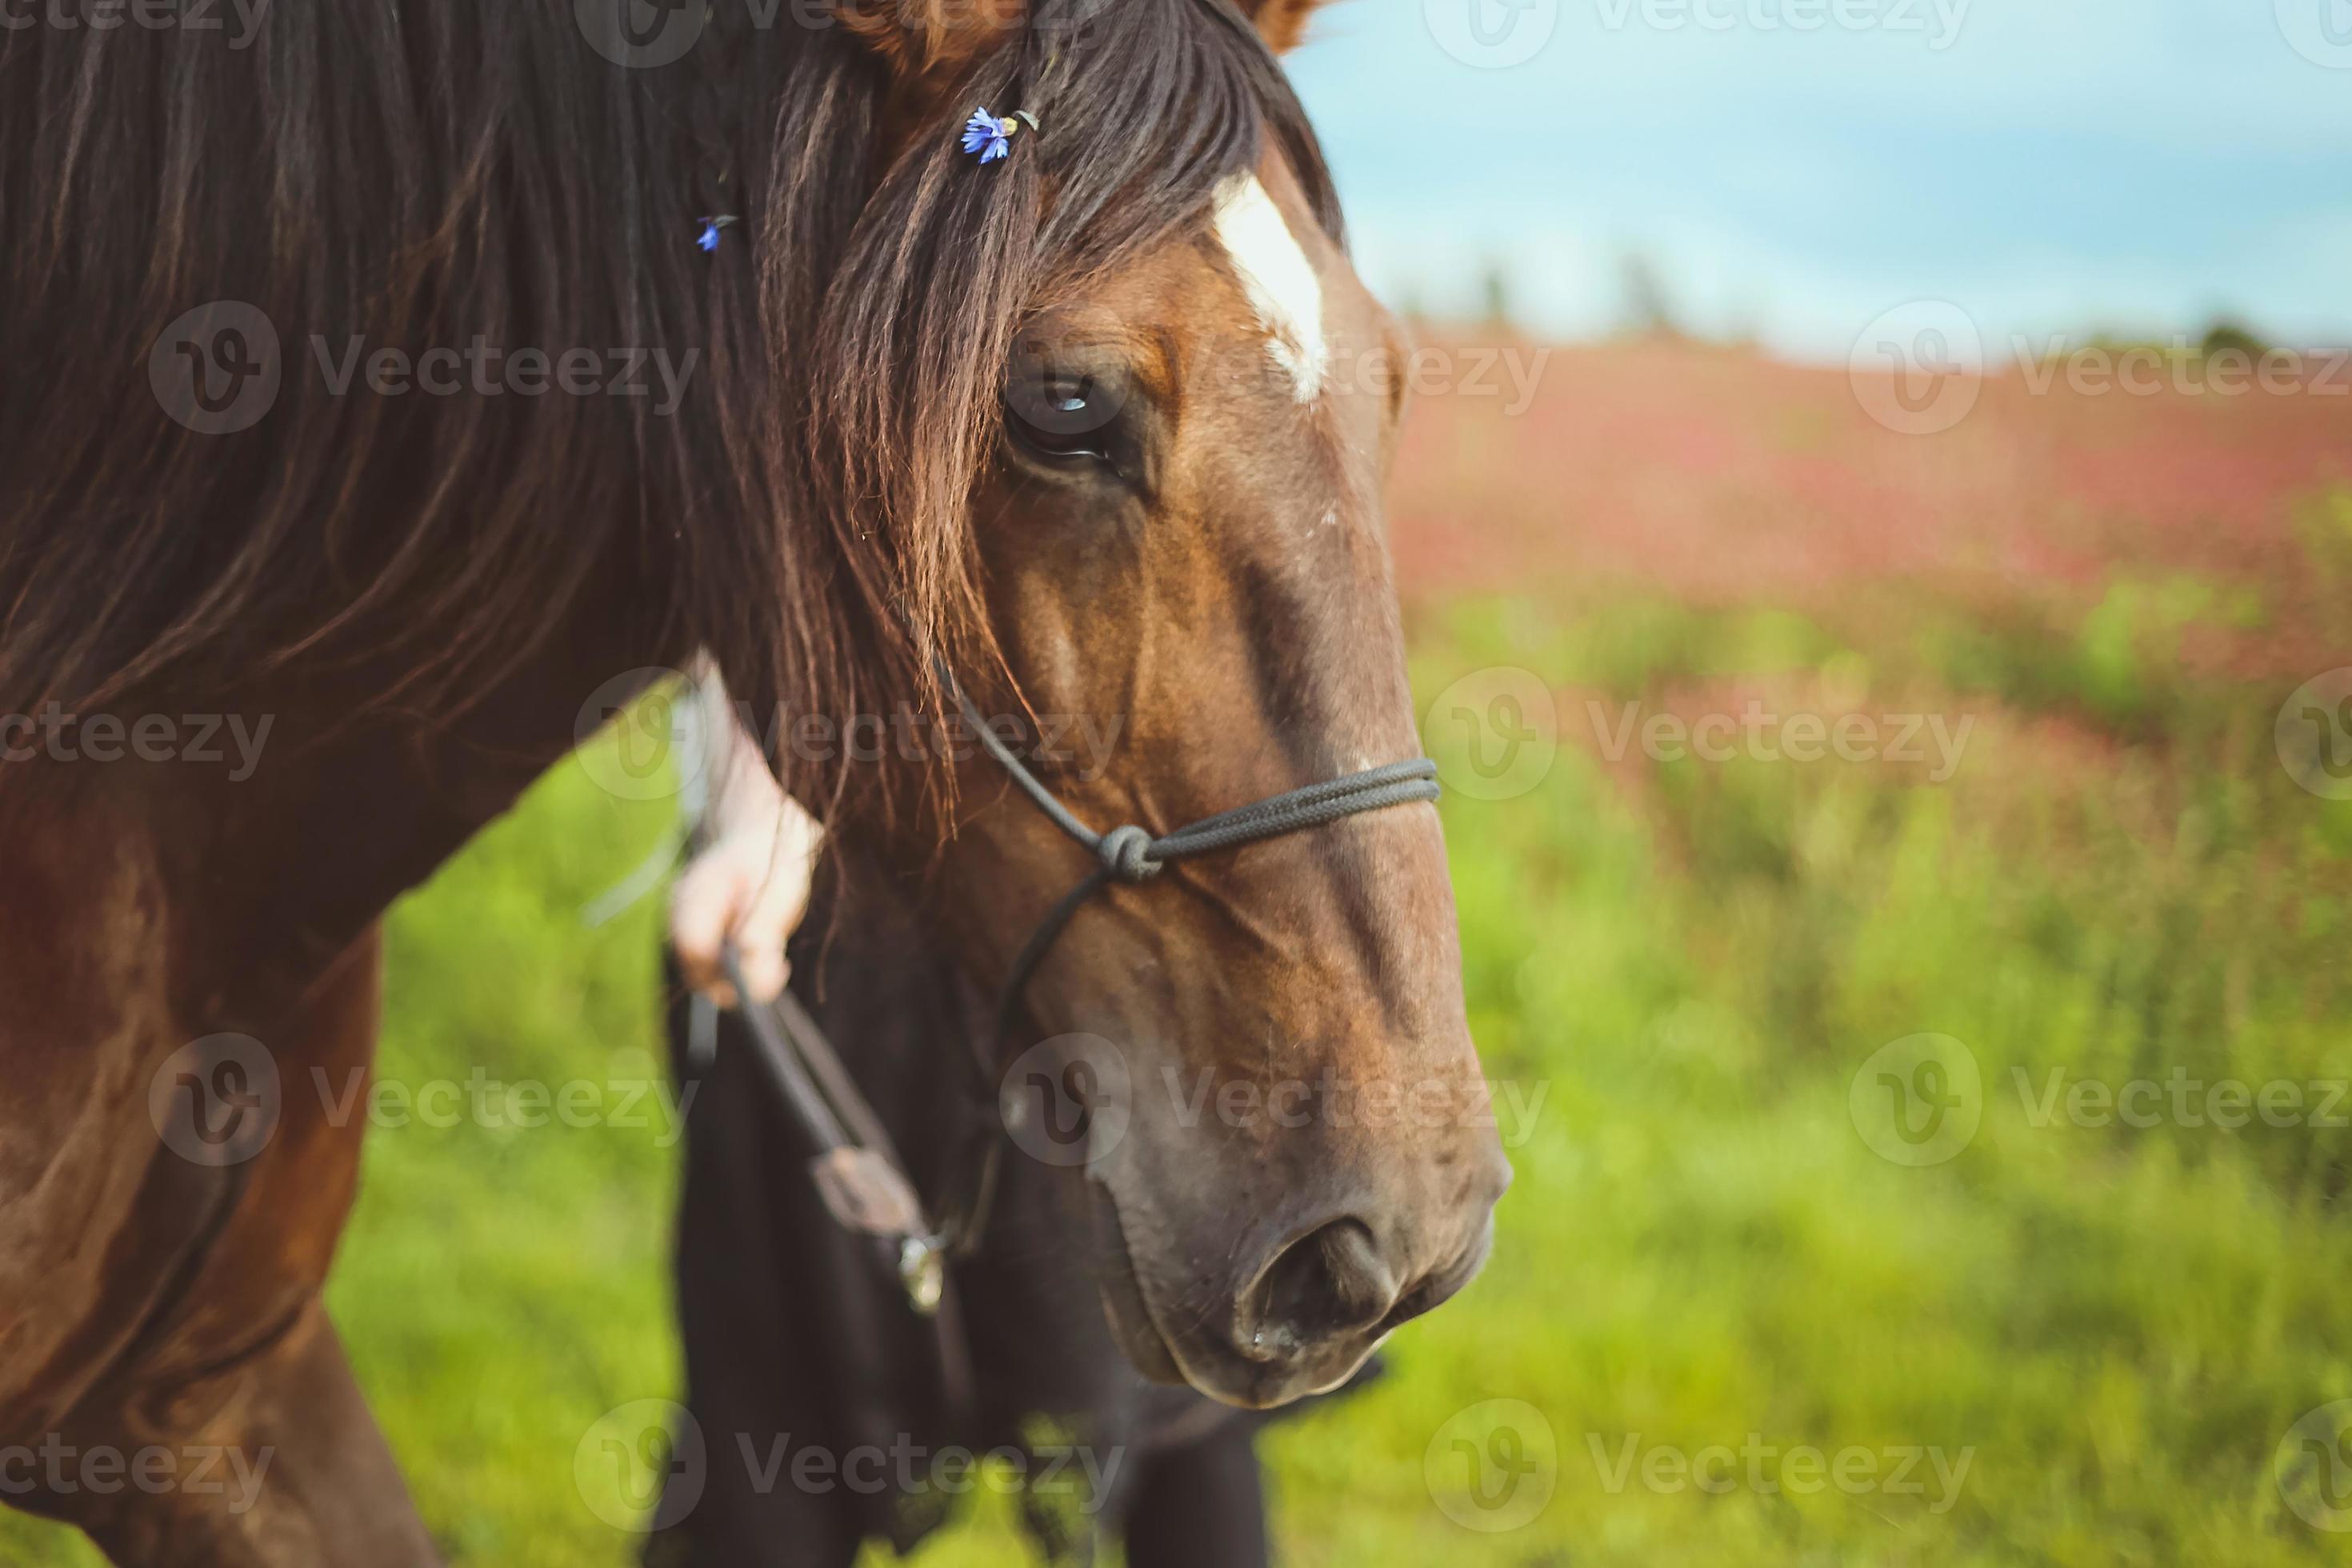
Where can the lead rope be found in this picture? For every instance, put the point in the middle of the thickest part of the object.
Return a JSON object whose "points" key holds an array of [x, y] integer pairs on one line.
{"points": [[858, 1175]]}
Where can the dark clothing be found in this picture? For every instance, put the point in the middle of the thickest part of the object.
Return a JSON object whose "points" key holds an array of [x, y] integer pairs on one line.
{"points": [[797, 1338]]}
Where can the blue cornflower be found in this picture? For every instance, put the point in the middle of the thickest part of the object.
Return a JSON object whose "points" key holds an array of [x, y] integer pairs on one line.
{"points": [[989, 137], [709, 238]]}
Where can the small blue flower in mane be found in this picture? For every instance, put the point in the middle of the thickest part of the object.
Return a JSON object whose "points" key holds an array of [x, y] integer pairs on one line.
{"points": [[989, 137], [709, 238], [993, 138]]}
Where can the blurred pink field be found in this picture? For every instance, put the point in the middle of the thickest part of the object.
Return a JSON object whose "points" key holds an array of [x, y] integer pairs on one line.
{"points": [[1719, 477]]}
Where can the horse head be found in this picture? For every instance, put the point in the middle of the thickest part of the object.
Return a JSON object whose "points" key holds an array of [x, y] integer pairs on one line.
{"points": [[1180, 403]]}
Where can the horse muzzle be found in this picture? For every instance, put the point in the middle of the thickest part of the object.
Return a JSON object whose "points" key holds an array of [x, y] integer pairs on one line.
{"points": [[1301, 1301]]}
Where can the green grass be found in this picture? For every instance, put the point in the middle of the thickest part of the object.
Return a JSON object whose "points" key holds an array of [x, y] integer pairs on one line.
{"points": [[1689, 961], [2122, 1323]]}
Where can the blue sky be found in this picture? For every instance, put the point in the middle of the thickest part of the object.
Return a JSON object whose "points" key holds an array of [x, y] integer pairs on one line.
{"points": [[2048, 165]]}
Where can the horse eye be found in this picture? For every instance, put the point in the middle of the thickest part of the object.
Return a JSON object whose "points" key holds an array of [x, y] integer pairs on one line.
{"points": [[1062, 418]]}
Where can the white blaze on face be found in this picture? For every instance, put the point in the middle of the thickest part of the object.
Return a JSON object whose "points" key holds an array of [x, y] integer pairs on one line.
{"points": [[1281, 282]]}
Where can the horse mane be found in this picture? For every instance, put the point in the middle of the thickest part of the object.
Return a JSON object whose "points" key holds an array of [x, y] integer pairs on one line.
{"points": [[429, 174]]}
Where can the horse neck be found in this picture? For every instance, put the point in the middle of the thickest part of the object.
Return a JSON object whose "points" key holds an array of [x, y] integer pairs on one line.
{"points": [[259, 883]]}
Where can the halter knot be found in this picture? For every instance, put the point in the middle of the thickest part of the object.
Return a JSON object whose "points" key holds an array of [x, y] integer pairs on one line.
{"points": [[1126, 854]]}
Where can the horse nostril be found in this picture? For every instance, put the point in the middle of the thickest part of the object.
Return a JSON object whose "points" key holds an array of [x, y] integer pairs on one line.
{"points": [[1329, 1283]]}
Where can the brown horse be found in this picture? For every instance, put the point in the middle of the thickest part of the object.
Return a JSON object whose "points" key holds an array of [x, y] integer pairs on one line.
{"points": [[326, 410]]}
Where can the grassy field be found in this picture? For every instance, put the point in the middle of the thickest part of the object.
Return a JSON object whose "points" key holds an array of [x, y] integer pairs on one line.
{"points": [[1890, 1309]]}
